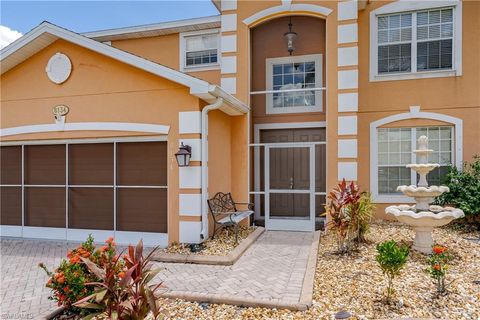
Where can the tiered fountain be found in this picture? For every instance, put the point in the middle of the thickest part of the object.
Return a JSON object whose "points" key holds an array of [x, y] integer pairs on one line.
{"points": [[423, 217]]}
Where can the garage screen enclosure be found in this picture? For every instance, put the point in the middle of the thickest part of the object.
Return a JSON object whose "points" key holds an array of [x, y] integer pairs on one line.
{"points": [[112, 186]]}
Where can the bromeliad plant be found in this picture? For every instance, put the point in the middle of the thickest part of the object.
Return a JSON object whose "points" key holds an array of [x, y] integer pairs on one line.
{"points": [[350, 211], [123, 290], [391, 258], [438, 266]]}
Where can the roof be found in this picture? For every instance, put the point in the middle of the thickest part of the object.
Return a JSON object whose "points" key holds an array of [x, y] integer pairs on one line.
{"points": [[156, 29], [46, 33]]}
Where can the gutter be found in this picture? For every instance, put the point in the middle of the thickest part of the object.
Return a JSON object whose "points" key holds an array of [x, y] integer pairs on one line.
{"points": [[214, 106]]}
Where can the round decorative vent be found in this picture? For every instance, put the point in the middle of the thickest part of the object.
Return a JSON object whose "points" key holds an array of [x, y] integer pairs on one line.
{"points": [[59, 68]]}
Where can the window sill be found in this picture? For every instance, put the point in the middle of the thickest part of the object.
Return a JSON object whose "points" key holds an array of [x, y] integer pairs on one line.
{"points": [[201, 68], [413, 76]]}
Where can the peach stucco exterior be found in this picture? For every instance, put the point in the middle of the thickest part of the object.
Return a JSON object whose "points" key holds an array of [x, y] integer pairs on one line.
{"points": [[102, 89]]}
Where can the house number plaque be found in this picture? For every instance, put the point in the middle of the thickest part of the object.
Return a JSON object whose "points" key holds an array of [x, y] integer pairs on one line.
{"points": [[60, 110]]}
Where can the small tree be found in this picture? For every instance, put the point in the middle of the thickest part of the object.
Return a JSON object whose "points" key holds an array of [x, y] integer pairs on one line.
{"points": [[438, 266], [391, 258]]}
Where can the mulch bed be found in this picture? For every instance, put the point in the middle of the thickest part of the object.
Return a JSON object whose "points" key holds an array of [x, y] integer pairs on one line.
{"points": [[355, 283]]}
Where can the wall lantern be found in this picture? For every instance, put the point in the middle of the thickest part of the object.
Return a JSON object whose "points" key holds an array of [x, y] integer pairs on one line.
{"points": [[290, 37], [183, 155]]}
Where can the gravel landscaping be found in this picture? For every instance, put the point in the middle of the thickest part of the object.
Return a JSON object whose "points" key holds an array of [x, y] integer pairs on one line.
{"points": [[221, 245], [355, 283]]}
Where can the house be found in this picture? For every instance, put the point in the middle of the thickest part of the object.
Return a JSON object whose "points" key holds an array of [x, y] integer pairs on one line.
{"points": [[278, 100]]}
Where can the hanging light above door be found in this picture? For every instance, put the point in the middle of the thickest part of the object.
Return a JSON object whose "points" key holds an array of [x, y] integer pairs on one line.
{"points": [[290, 37]]}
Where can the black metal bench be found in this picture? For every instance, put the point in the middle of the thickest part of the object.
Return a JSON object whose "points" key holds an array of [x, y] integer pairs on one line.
{"points": [[224, 212]]}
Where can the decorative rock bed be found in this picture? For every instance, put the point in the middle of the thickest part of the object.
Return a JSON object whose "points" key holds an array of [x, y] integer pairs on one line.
{"points": [[355, 283]]}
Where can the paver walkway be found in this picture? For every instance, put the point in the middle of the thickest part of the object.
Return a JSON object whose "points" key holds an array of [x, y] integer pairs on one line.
{"points": [[272, 269], [23, 294]]}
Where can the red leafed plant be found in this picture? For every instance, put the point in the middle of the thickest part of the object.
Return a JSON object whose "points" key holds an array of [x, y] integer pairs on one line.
{"points": [[123, 291], [349, 211]]}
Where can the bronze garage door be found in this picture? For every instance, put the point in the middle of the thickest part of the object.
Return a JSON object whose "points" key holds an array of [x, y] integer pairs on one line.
{"points": [[119, 186]]}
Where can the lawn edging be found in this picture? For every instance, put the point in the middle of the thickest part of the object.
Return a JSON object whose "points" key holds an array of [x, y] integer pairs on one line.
{"points": [[226, 260], [306, 296]]}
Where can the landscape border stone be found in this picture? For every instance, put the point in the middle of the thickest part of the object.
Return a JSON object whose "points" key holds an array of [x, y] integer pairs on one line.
{"points": [[226, 260]]}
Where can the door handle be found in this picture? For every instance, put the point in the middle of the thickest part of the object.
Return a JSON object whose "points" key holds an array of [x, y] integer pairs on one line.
{"points": [[291, 182]]}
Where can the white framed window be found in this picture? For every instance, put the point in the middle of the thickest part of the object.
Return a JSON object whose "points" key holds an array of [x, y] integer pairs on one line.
{"points": [[296, 82], [395, 146], [199, 50], [412, 40]]}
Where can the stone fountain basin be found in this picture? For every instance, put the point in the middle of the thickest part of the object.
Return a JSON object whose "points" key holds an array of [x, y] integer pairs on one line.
{"points": [[423, 192], [437, 216]]}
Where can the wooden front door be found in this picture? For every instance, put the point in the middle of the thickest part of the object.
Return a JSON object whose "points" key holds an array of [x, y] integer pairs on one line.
{"points": [[293, 174]]}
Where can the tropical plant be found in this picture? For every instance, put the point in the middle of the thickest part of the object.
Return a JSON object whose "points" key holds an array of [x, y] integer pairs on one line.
{"points": [[365, 211], [350, 211], [391, 257], [464, 192], [438, 266], [123, 290], [68, 280]]}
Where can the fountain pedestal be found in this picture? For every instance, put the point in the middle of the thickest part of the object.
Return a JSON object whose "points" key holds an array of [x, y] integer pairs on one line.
{"points": [[423, 217]]}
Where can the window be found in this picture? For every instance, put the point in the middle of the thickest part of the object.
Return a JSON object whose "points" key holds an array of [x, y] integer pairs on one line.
{"points": [[200, 50], [298, 81], [395, 147], [415, 40]]}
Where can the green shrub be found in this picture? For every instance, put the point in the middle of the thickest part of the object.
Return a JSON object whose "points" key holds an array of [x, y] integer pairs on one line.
{"points": [[391, 258], [68, 280], [464, 190]]}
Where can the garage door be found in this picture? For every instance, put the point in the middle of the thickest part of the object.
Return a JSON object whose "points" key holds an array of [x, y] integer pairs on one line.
{"points": [[66, 191]]}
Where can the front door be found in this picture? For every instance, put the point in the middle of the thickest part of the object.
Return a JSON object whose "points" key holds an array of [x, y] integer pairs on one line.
{"points": [[293, 180], [290, 186]]}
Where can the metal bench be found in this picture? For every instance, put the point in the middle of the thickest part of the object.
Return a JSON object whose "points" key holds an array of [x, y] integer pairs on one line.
{"points": [[224, 212]]}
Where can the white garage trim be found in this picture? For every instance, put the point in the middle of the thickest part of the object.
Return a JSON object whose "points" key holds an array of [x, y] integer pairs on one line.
{"points": [[86, 126]]}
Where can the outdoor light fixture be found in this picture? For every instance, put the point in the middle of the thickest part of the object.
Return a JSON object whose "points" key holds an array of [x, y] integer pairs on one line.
{"points": [[183, 155], [290, 37]]}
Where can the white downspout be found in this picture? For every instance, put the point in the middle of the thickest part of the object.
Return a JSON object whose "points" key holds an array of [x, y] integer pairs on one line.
{"points": [[216, 105]]}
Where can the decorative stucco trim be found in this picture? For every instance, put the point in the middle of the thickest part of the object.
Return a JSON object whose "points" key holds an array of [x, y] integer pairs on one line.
{"points": [[229, 22], [347, 10], [347, 33], [190, 204], [347, 56], [347, 171], [347, 148], [189, 122], [190, 231], [229, 85], [348, 102], [86, 126], [229, 5], [347, 125], [347, 79], [286, 7], [229, 43], [414, 113], [229, 65], [190, 178]]}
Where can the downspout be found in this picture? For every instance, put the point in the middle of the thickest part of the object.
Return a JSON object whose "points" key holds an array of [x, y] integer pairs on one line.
{"points": [[216, 105]]}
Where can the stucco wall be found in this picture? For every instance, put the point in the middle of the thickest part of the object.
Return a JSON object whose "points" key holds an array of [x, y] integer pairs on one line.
{"points": [[99, 89]]}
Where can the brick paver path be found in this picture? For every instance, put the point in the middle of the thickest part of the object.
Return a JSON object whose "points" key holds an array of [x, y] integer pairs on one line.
{"points": [[273, 268], [23, 294]]}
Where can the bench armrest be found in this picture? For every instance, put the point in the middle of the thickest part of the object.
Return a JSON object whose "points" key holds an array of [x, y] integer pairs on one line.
{"points": [[248, 204]]}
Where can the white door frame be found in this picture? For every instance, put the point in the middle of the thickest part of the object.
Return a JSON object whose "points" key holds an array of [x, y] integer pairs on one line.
{"points": [[256, 145], [290, 223]]}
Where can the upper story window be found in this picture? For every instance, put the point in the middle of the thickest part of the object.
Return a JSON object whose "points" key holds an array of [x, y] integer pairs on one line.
{"points": [[297, 83], [415, 44], [199, 50]]}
